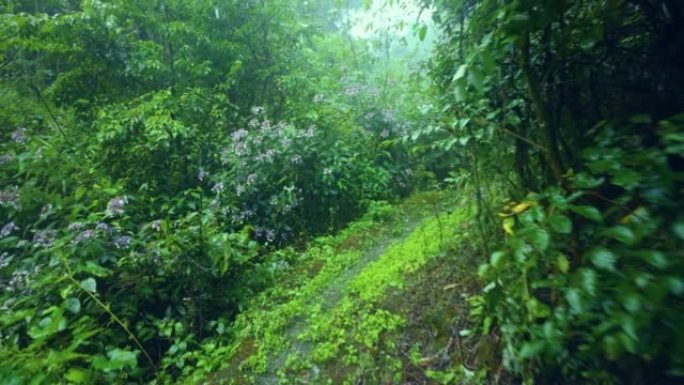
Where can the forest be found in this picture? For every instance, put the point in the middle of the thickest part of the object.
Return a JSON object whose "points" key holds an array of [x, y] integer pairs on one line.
{"points": [[357, 192]]}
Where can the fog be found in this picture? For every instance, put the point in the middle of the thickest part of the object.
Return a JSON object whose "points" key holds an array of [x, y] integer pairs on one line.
{"points": [[397, 30]]}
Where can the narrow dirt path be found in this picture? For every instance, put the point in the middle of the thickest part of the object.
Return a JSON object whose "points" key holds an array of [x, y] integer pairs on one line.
{"points": [[327, 299]]}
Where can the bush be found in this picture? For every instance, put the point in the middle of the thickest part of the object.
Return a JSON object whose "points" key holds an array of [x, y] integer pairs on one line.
{"points": [[589, 283]]}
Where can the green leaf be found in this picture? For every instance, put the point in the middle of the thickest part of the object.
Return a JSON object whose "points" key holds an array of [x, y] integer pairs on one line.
{"points": [[532, 349], [586, 181], [73, 305], [588, 277], [48, 326], [563, 263], [460, 92], [589, 212], [632, 302], [621, 233], [612, 347], [460, 73], [560, 224], [89, 285], [678, 229], [676, 285], [540, 239], [76, 376], [96, 270], [574, 300], [486, 325], [121, 358], [101, 362], [655, 257], [422, 32], [626, 177], [496, 258], [476, 79], [537, 309], [603, 258], [628, 342]]}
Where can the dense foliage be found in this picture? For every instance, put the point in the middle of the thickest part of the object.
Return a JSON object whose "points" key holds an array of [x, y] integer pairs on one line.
{"points": [[163, 162], [153, 154], [574, 110]]}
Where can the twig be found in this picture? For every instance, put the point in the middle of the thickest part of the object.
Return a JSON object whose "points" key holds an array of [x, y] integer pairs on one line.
{"points": [[440, 355], [524, 139], [52, 115], [439, 223], [111, 314]]}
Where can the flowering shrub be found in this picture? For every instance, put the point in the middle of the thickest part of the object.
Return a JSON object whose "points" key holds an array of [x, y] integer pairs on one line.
{"points": [[140, 196], [282, 180]]}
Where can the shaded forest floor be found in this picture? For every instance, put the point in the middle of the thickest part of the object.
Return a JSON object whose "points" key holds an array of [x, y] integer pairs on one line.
{"points": [[384, 302]]}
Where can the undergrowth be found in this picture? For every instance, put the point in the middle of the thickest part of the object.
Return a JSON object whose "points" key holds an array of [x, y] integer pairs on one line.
{"points": [[262, 331], [303, 323]]}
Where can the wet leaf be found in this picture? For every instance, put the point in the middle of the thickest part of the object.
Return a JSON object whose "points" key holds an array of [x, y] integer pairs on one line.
{"points": [[588, 212], [73, 305], [603, 258], [560, 224], [89, 285], [621, 233]]}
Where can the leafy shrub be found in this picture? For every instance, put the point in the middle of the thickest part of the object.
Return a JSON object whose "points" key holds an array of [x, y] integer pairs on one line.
{"points": [[283, 180], [589, 283], [128, 238]]}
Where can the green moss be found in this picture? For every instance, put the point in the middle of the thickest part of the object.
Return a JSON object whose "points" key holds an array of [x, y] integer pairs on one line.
{"points": [[356, 330], [325, 309]]}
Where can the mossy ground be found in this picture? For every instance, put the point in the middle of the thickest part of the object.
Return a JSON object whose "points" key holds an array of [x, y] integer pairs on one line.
{"points": [[379, 303]]}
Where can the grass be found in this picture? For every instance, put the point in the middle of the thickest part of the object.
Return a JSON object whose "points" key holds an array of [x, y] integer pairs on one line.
{"points": [[326, 320]]}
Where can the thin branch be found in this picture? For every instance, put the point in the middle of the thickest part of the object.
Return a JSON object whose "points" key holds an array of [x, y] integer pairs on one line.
{"points": [[111, 314], [524, 139], [509, 132], [52, 115], [420, 13]]}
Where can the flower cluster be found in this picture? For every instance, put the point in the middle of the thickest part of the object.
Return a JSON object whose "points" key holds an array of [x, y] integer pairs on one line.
{"points": [[257, 110], [75, 226], [104, 228], [19, 135], [388, 115], [268, 234], [115, 207], [239, 135], [18, 281], [156, 225], [218, 188], [123, 241], [8, 229], [44, 238], [272, 167], [352, 90], [46, 210], [5, 260], [201, 175], [84, 235], [10, 197]]}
